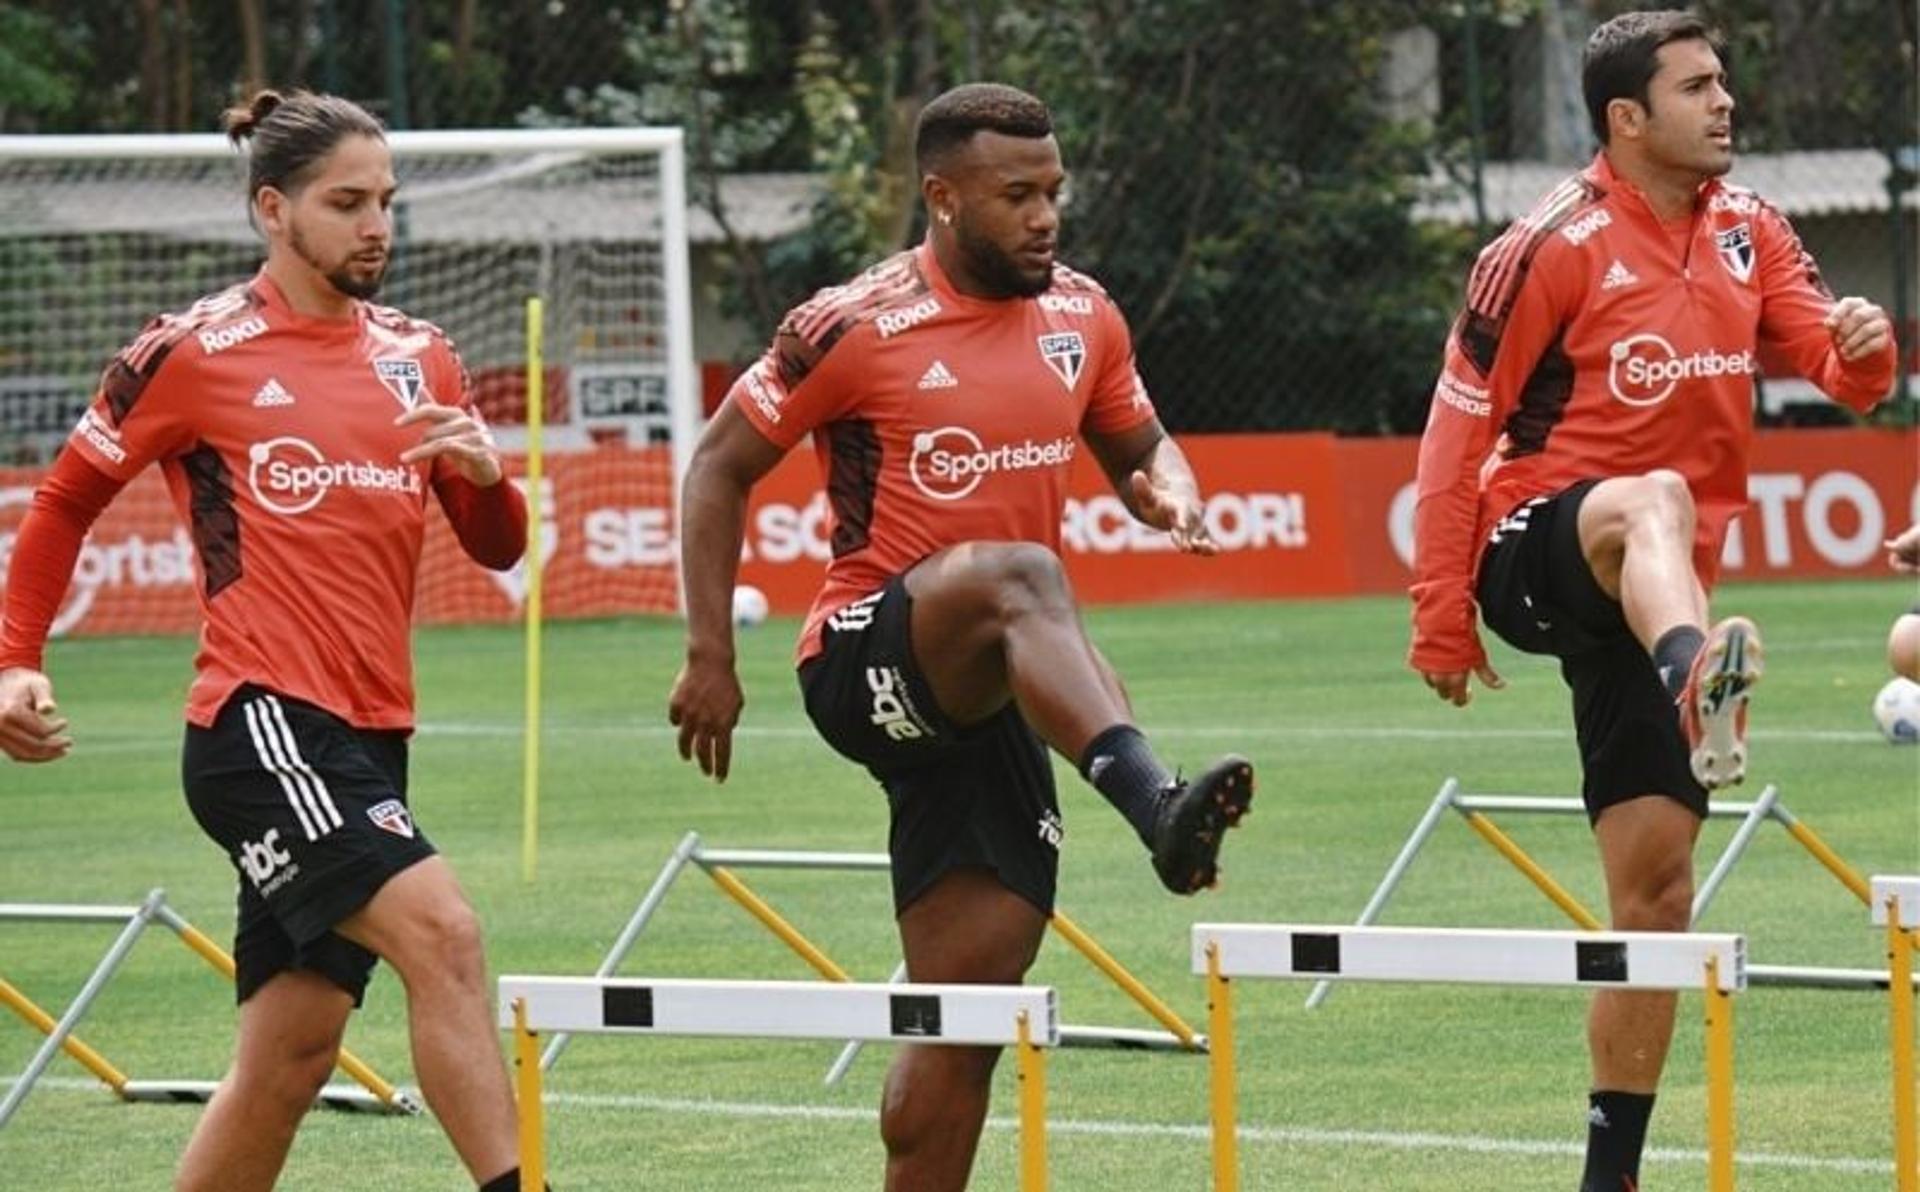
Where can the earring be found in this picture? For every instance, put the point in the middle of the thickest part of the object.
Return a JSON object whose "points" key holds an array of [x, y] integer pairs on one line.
{"points": [[946, 217]]}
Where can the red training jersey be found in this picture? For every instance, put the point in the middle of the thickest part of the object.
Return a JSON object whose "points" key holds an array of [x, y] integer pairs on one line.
{"points": [[275, 433], [940, 418], [1598, 341]]}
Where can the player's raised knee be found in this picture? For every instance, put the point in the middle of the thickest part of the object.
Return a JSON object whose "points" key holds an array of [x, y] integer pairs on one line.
{"points": [[1025, 573], [1663, 493], [1658, 906], [442, 942]]}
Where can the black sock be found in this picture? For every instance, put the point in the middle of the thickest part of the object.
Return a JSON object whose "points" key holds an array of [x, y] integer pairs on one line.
{"points": [[1616, 1132], [1673, 656], [1121, 766], [507, 1181]]}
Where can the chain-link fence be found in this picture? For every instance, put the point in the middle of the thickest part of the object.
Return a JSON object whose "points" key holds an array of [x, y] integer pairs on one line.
{"points": [[1284, 196]]}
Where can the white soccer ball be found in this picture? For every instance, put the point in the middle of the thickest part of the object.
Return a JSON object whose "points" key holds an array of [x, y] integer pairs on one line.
{"points": [[749, 605], [1897, 710]]}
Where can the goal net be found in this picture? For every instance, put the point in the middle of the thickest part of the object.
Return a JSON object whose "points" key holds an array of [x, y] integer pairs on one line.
{"points": [[99, 233]]}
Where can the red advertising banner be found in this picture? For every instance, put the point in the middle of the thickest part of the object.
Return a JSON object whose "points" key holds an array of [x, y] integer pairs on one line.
{"points": [[1296, 515]]}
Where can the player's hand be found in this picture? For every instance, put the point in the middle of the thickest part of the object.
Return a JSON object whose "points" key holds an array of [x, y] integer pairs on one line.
{"points": [[31, 727], [1859, 328], [704, 706], [1177, 510], [457, 435], [1455, 686], [1903, 550]]}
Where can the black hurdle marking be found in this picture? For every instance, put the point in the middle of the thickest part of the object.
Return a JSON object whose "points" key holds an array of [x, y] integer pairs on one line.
{"points": [[1315, 952], [1600, 960], [627, 1005], [915, 1015]]}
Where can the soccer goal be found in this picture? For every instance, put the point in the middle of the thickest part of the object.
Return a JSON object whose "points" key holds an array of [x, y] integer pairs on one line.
{"points": [[99, 233]]}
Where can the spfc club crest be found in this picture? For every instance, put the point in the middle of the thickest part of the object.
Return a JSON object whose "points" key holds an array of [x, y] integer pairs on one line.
{"points": [[392, 816], [1736, 249], [1065, 353], [403, 378]]}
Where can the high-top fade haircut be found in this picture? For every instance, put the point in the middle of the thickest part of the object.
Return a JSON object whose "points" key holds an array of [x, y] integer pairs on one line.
{"points": [[288, 135], [1623, 54], [950, 121]]}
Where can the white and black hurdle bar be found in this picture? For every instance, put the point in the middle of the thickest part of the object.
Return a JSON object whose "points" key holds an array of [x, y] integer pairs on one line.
{"points": [[1896, 907], [1715, 964], [1023, 1017]]}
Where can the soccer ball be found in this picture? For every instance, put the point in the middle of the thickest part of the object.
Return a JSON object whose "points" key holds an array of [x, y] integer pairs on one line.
{"points": [[749, 605], [1897, 710]]}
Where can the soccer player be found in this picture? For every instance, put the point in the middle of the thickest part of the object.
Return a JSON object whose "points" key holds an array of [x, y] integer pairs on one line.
{"points": [[300, 428], [1903, 640], [948, 389], [1586, 449]]}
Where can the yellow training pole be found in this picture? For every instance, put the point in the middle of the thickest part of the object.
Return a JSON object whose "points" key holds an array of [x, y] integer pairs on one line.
{"points": [[533, 1125], [1087, 946], [770, 918], [1811, 841], [1906, 1155], [536, 420], [349, 1063], [1226, 1141], [1719, 1082], [1032, 1069], [1504, 845], [88, 1058]]}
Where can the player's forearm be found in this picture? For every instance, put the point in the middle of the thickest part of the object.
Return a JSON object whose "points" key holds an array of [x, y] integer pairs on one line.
{"points": [[489, 520], [45, 550], [712, 526], [1167, 470]]}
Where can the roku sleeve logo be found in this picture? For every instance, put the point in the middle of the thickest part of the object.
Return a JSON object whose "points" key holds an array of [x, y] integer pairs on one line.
{"points": [[1644, 369], [219, 339], [290, 475]]}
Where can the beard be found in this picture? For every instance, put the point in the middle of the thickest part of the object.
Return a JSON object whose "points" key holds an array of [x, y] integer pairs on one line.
{"points": [[339, 276], [995, 268]]}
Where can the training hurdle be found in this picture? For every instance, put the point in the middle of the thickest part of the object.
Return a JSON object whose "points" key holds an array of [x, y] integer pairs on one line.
{"points": [[1896, 907], [374, 1095], [719, 864], [1019, 1016], [1767, 807], [1714, 964]]}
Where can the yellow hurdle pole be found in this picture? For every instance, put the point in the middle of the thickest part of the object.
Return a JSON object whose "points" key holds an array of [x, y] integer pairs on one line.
{"points": [[1221, 1091], [533, 1122], [1087, 946], [771, 920], [1504, 845], [349, 1063], [536, 422], [1906, 1154], [88, 1058], [1032, 1068], [1719, 1082], [1810, 840]]}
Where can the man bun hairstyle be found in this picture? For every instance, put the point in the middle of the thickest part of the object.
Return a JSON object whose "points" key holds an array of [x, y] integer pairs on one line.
{"points": [[950, 121], [287, 135], [1623, 54]]}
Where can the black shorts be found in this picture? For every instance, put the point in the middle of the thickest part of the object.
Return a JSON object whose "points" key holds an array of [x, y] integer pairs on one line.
{"points": [[1538, 594], [313, 814], [979, 796]]}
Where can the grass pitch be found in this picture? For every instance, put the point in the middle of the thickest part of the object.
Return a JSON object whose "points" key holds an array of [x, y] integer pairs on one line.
{"points": [[1386, 1087]]}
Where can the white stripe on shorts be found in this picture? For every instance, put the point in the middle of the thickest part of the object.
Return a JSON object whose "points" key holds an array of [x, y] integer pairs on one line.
{"points": [[300, 763], [273, 767]]}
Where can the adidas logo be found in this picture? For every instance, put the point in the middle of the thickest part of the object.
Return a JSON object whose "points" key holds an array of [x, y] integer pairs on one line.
{"points": [[273, 393], [1618, 275], [938, 376]]}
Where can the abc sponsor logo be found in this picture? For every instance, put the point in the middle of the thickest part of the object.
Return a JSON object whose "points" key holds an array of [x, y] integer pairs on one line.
{"points": [[219, 339], [289, 475], [949, 463], [1644, 369], [893, 322], [261, 860]]}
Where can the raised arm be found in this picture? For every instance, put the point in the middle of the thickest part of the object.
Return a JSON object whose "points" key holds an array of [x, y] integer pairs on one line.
{"points": [[1845, 347]]}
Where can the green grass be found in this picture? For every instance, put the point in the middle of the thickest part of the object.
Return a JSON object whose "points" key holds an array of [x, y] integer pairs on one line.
{"points": [[1351, 749]]}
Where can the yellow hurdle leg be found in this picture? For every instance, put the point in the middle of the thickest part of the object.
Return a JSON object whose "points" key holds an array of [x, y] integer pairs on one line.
{"points": [[1226, 1140], [533, 1124], [771, 920], [1087, 946], [1719, 1082], [88, 1058], [1504, 845], [1032, 1070], [1906, 1155]]}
